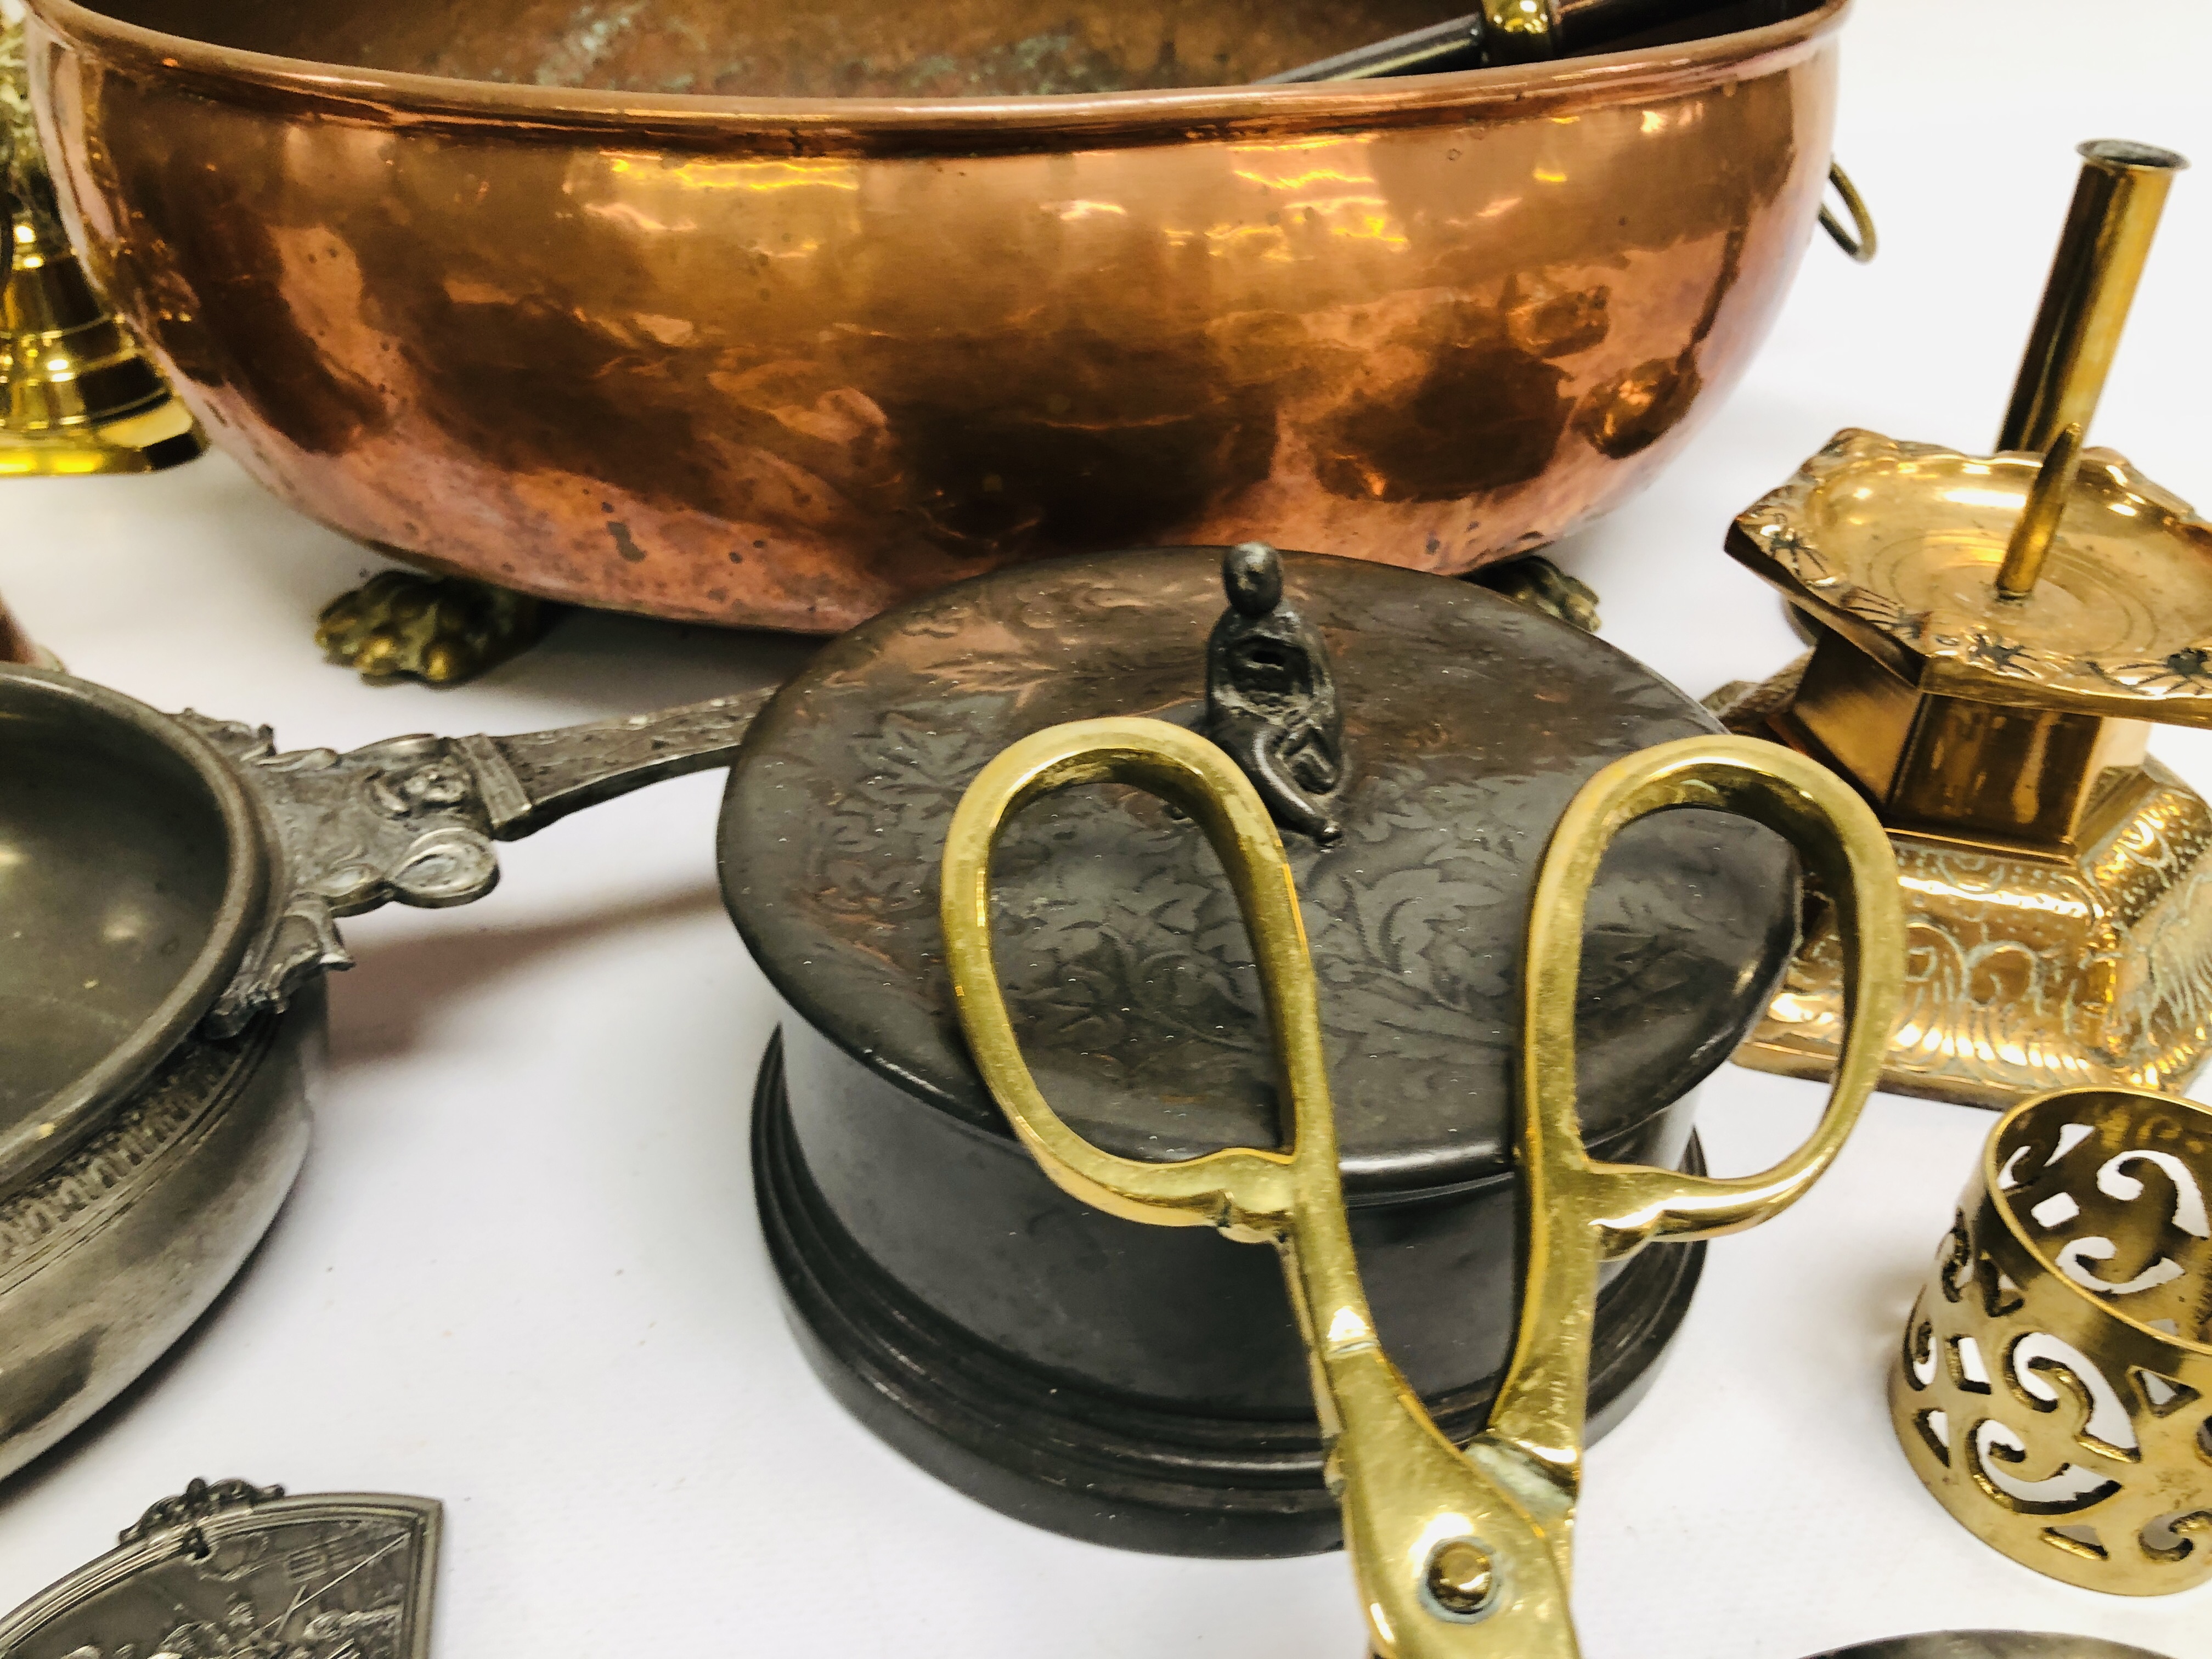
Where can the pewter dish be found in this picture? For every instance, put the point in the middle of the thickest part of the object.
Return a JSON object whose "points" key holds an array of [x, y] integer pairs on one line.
{"points": [[171, 885]]}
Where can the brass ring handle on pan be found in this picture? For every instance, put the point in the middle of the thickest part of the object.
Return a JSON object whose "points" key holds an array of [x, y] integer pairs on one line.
{"points": [[1861, 241], [1456, 1555]]}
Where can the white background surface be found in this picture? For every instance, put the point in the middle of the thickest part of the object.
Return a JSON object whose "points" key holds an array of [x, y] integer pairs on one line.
{"points": [[522, 1274]]}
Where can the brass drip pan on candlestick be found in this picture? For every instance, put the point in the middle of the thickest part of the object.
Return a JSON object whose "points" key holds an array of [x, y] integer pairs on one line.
{"points": [[1995, 636]]}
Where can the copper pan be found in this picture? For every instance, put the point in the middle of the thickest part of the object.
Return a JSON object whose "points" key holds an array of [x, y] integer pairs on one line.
{"points": [[586, 301]]}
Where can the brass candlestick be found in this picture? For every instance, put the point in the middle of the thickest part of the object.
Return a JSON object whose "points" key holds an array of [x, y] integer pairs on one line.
{"points": [[1995, 636], [80, 397]]}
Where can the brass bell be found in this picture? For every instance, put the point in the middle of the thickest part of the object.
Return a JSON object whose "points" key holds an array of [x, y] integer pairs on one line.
{"points": [[1994, 637], [81, 398]]}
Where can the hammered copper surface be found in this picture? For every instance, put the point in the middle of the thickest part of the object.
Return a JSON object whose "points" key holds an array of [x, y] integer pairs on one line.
{"points": [[783, 360]]}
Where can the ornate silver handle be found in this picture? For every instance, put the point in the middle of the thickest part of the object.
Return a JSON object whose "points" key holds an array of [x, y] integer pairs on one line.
{"points": [[412, 820]]}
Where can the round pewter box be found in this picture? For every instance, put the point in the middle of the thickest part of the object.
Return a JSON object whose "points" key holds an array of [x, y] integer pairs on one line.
{"points": [[1145, 1386]]}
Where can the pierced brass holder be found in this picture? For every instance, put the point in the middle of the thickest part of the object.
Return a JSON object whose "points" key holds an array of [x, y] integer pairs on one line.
{"points": [[2052, 1386], [1994, 637], [80, 398]]}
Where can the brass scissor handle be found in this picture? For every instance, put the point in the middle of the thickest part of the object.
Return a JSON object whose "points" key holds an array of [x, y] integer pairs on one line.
{"points": [[1454, 1554], [1584, 1212]]}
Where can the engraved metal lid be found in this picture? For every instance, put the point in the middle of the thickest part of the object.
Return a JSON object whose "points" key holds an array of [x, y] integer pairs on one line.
{"points": [[1467, 723]]}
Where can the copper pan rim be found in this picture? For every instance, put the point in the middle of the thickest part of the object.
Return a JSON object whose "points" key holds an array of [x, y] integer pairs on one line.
{"points": [[863, 126]]}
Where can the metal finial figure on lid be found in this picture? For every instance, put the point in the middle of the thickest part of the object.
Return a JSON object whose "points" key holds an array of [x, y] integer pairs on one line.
{"points": [[1270, 699]]}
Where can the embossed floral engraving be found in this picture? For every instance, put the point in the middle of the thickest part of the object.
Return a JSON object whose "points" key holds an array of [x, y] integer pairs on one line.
{"points": [[2055, 1384], [2024, 973]]}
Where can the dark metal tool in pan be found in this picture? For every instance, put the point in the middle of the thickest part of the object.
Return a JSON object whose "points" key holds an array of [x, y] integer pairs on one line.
{"points": [[1535, 31], [1507, 31]]}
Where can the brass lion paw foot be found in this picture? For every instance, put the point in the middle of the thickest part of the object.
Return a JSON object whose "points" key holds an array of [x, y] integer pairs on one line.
{"points": [[1541, 586], [442, 629], [1744, 707]]}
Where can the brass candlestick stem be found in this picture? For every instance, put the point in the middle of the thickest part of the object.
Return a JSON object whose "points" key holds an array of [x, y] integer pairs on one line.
{"points": [[1994, 637], [2038, 520]]}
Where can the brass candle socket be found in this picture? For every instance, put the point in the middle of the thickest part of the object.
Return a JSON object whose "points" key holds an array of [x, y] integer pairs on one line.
{"points": [[2117, 203], [1994, 636], [2053, 1385]]}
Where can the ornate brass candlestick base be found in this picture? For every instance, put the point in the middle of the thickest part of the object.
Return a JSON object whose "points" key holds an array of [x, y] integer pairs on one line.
{"points": [[80, 397], [1993, 638]]}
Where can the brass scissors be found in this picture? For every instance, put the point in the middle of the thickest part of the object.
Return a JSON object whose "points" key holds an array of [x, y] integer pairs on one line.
{"points": [[1457, 1553]]}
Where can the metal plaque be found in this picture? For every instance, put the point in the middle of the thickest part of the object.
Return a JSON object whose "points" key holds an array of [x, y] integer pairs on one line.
{"points": [[232, 1570]]}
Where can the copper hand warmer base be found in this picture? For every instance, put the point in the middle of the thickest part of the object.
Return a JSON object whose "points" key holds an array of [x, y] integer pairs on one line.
{"points": [[1456, 1551], [1996, 634]]}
